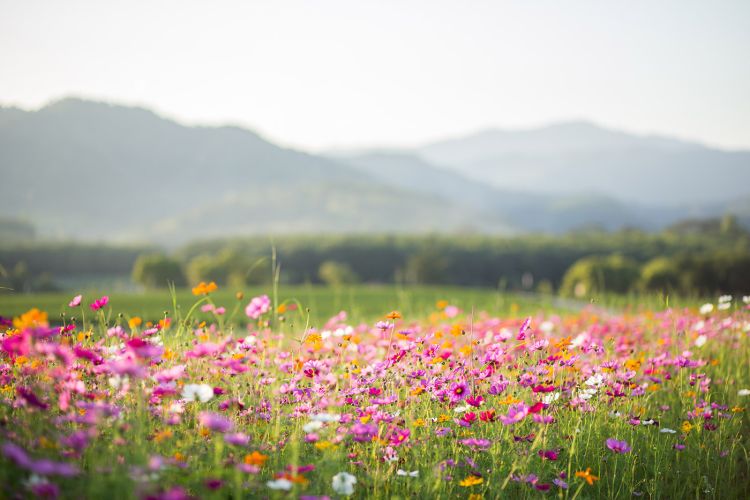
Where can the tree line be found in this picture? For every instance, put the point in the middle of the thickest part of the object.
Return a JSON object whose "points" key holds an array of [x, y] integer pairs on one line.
{"points": [[699, 257]]}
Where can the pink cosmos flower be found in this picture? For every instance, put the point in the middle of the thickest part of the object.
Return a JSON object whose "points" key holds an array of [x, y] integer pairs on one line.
{"points": [[516, 413], [237, 439], [258, 306], [215, 422], [524, 327], [478, 444], [76, 301], [618, 446], [99, 303]]}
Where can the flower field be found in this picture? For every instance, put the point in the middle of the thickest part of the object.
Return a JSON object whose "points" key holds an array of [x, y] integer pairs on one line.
{"points": [[253, 399]]}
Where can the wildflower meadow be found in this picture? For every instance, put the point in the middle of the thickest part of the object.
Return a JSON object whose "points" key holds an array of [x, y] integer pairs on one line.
{"points": [[250, 398]]}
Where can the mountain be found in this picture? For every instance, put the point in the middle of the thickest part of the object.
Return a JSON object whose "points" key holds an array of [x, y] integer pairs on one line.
{"points": [[91, 170], [86, 169], [580, 157], [525, 210]]}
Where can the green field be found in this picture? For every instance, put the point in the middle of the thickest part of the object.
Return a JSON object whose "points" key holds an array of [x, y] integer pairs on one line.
{"points": [[361, 302]]}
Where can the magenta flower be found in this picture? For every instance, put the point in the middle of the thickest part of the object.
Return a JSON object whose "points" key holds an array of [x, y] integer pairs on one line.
{"points": [[477, 444], [475, 401], [215, 422], [516, 413], [400, 436], [258, 306], [618, 446], [523, 329], [99, 303], [548, 454], [76, 301], [459, 391]]}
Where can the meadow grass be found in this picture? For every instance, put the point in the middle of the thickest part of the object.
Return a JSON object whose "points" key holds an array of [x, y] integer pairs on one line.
{"points": [[430, 391]]}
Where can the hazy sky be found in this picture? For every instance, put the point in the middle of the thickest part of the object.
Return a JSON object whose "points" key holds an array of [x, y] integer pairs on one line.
{"points": [[320, 74]]}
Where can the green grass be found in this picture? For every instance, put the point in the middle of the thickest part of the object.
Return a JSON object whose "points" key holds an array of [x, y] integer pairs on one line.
{"points": [[362, 302]]}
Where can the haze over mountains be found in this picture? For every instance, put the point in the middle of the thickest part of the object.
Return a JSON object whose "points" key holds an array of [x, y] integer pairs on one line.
{"points": [[83, 169]]}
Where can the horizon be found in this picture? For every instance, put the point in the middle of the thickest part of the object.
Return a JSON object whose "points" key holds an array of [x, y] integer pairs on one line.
{"points": [[369, 148]]}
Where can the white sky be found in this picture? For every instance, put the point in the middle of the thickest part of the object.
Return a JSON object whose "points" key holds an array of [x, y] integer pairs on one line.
{"points": [[327, 73]]}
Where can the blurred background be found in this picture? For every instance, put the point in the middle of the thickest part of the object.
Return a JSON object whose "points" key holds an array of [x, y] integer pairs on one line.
{"points": [[556, 148]]}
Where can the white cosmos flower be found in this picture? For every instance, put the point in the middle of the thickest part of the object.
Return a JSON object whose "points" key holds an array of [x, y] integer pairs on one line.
{"points": [[743, 392], [312, 426], [343, 483], [700, 340], [460, 409], [280, 484], [118, 381], [667, 430], [550, 398], [326, 417], [725, 298], [723, 306], [402, 472], [595, 380], [746, 299], [706, 308], [587, 394], [201, 392]]}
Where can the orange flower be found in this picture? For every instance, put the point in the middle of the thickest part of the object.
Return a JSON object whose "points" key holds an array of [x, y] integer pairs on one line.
{"points": [[471, 481], [256, 458], [204, 288], [162, 435], [587, 476], [393, 315], [33, 318]]}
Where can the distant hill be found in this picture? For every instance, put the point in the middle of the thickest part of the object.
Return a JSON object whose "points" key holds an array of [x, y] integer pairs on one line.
{"points": [[85, 169], [582, 157], [534, 210]]}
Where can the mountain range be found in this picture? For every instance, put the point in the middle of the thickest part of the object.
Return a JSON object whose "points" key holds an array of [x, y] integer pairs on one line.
{"points": [[92, 170]]}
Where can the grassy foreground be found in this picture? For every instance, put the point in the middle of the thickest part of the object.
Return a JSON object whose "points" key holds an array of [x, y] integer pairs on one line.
{"points": [[456, 395]]}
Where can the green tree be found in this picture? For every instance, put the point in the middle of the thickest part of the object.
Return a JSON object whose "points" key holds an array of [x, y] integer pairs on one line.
{"points": [[335, 273], [597, 274], [157, 271], [662, 275]]}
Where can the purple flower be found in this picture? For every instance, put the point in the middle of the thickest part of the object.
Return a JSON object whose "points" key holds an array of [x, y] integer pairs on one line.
{"points": [[42, 467], [548, 454], [560, 483], [618, 446], [215, 422], [237, 439], [516, 413], [258, 306], [364, 433]]}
